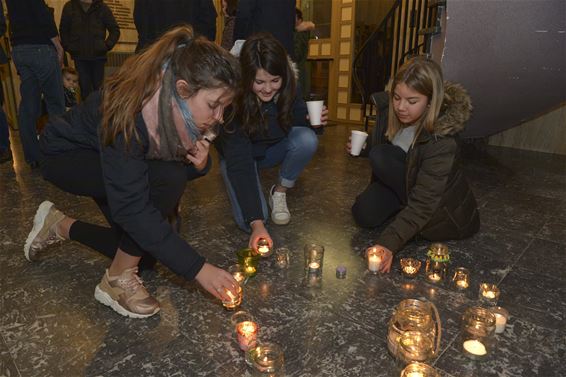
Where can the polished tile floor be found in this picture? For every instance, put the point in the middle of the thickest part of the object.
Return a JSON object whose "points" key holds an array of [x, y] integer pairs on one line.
{"points": [[50, 325]]}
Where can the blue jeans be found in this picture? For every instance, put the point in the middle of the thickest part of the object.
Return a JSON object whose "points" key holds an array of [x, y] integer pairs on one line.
{"points": [[293, 154], [40, 73]]}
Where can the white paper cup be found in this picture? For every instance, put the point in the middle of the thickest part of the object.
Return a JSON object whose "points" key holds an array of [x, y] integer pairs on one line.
{"points": [[315, 111], [357, 141]]}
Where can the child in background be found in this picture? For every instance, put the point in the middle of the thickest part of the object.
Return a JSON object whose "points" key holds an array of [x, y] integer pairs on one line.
{"points": [[70, 83]]}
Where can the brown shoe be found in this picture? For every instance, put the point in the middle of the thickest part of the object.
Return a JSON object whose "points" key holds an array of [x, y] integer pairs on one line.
{"points": [[126, 295], [44, 231]]}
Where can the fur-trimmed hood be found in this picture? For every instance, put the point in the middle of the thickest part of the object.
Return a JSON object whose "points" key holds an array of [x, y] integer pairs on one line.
{"points": [[455, 112]]}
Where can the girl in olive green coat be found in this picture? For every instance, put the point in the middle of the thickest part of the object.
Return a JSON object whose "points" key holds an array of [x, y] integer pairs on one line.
{"points": [[417, 181]]}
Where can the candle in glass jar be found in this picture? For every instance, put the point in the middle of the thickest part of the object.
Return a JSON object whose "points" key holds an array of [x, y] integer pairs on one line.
{"points": [[314, 267], [250, 270], [489, 293], [475, 347], [374, 259], [501, 316], [247, 334], [434, 277], [410, 267], [263, 247], [235, 299]]}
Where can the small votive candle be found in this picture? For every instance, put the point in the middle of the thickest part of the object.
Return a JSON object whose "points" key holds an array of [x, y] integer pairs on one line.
{"points": [[416, 369], [247, 334], [475, 347], [461, 279], [266, 358], [263, 247], [249, 261], [410, 267], [234, 300], [374, 257], [237, 273], [489, 293], [314, 267], [501, 317], [282, 257], [434, 277]]}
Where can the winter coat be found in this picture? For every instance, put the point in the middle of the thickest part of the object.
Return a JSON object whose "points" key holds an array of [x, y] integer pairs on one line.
{"points": [[275, 17], [154, 17], [83, 34], [440, 204]]}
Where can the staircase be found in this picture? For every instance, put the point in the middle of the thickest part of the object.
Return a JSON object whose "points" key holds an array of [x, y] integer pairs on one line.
{"points": [[509, 55]]}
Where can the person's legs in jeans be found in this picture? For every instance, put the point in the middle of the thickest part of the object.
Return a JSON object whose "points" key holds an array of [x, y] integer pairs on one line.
{"points": [[293, 153], [51, 82], [29, 108], [236, 210]]}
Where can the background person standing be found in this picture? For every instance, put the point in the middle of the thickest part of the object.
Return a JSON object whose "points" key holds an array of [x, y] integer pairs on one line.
{"points": [[38, 57], [88, 31]]}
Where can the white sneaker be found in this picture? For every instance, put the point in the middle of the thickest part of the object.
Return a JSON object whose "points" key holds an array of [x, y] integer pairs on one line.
{"points": [[280, 214]]}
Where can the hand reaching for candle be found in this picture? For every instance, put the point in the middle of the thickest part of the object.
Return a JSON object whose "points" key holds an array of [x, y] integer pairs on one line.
{"points": [[198, 155], [259, 231], [323, 118], [387, 258], [215, 280]]}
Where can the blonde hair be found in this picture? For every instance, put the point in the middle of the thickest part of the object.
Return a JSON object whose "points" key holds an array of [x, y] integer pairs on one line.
{"points": [[425, 77], [201, 63]]}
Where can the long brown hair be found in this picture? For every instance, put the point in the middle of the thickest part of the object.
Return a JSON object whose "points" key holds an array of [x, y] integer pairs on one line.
{"points": [[424, 76], [263, 51], [201, 63]]}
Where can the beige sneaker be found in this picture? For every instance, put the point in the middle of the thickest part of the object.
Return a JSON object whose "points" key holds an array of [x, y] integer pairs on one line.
{"points": [[126, 295], [44, 231]]}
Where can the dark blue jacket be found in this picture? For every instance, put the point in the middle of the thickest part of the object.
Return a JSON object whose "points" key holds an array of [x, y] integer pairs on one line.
{"points": [[274, 16], [31, 22], [241, 151], [125, 178], [153, 17]]}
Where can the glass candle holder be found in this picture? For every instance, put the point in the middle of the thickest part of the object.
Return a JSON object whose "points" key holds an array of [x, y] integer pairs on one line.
{"points": [[419, 370], [489, 293], [374, 257], [266, 358], [314, 256], [461, 278], [249, 261], [246, 333], [501, 318], [239, 317], [410, 267], [438, 259], [478, 329], [263, 248], [237, 272], [282, 257], [234, 300]]}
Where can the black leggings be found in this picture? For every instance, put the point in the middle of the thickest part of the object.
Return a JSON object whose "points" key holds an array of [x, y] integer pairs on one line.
{"points": [[386, 192], [79, 172]]}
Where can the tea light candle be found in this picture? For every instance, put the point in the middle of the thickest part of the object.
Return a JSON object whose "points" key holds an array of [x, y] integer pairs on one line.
{"points": [[374, 259], [461, 278], [247, 334], [475, 347], [489, 293], [501, 316], [250, 270], [410, 267], [416, 369], [434, 277], [263, 247], [235, 299], [314, 267]]}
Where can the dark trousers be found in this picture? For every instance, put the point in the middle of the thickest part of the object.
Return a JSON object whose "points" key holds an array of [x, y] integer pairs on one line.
{"points": [[79, 172], [384, 196], [91, 75]]}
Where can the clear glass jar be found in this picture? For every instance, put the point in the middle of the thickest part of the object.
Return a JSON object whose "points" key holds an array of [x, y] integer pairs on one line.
{"points": [[414, 331], [266, 358], [235, 300], [410, 267], [438, 259], [419, 370], [282, 257], [461, 278], [314, 256], [478, 332]]}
